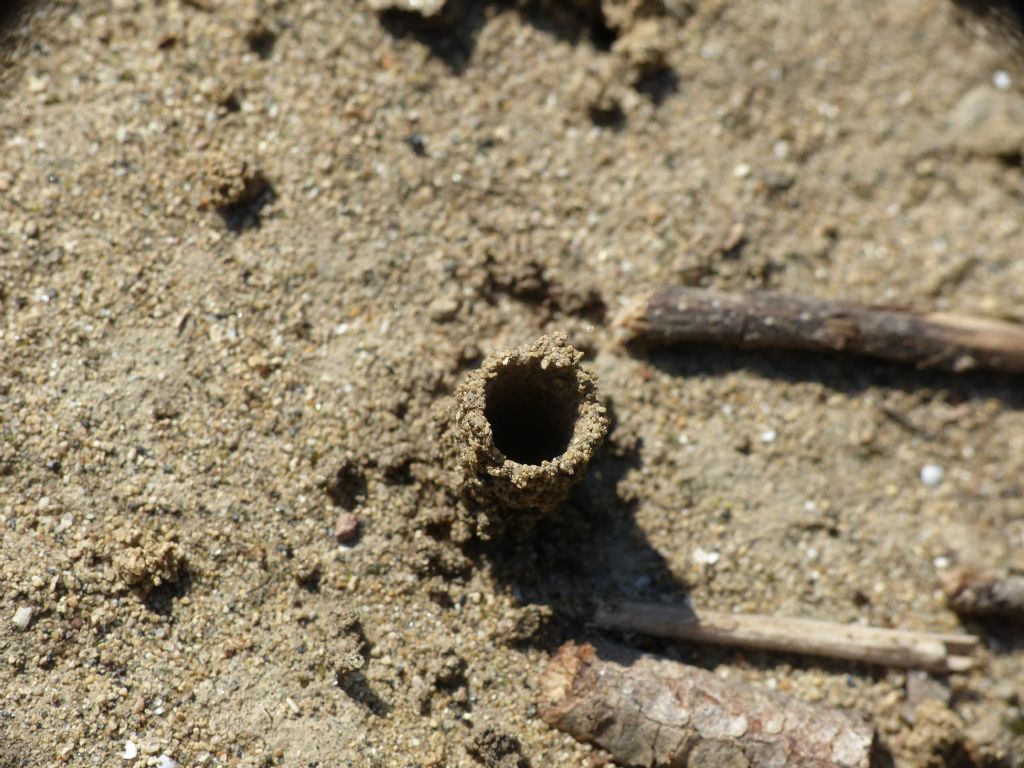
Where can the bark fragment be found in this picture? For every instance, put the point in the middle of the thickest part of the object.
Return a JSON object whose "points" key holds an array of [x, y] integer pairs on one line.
{"points": [[656, 713], [971, 594]]}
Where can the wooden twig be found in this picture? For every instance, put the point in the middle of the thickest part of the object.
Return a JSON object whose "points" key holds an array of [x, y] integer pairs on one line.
{"points": [[956, 342], [654, 712], [971, 594], [891, 647]]}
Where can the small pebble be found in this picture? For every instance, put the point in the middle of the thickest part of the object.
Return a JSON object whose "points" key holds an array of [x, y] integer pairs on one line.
{"points": [[417, 143], [166, 761], [22, 618], [443, 309], [1002, 80], [742, 171], [702, 557], [130, 751], [346, 527], [921, 686], [768, 436], [988, 122], [931, 475], [424, 8]]}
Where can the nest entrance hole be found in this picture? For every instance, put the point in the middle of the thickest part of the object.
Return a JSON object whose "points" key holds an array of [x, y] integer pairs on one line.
{"points": [[532, 412]]}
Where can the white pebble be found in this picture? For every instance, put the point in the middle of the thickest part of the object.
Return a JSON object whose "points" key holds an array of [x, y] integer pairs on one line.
{"points": [[742, 171], [22, 618], [130, 751], [941, 562], [931, 475], [1002, 80], [768, 436], [166, 761], [702, 557]]}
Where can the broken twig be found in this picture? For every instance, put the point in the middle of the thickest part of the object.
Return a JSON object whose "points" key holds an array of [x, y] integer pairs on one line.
{"points": [[892, 647], [655, 712], [972, 595], [769, 320]]}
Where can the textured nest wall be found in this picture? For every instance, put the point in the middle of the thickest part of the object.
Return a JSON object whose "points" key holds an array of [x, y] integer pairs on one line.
{"points": [[525, 426]]}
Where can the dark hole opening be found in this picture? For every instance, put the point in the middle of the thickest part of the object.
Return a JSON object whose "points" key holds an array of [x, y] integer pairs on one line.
{"points": [[602, 35], [11, 12], [261, 41], [243, 211], [532, 413]]}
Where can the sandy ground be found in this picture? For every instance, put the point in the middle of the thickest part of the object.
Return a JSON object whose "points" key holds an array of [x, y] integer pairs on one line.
{"points": [[248, 248]]}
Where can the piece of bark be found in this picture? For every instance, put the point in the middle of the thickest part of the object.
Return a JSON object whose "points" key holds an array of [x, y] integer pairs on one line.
{"points": [[892, 647], [681, 314], [651, 712], [970, 594]]}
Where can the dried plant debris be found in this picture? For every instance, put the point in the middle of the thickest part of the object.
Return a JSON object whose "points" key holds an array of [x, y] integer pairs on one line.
{"points": [[974, 594], [676, 315], [939, 652], [653, 712]]}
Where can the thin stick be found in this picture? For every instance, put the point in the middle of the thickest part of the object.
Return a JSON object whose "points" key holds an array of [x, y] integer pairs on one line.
{"points": [[679, 314], [891, 647], [655, 712]]}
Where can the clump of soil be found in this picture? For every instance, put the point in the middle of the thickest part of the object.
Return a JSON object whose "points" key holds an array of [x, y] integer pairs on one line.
{"points": [[237, 191], [145, 563]]}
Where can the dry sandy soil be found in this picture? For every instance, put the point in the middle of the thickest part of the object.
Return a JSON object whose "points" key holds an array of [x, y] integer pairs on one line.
{"points": [[249, 247]]}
